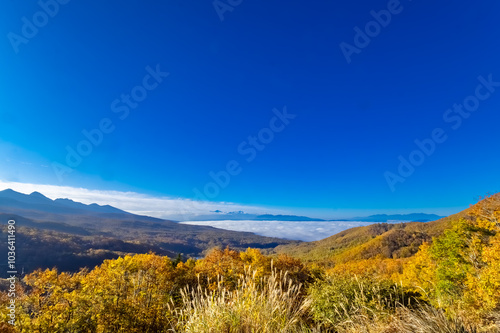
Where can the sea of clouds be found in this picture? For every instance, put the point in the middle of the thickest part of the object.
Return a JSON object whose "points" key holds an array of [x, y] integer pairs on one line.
{"points": [[297, 230]]}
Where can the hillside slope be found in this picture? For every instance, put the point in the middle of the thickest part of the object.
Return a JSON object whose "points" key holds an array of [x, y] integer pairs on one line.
{"points": [[382, 240]]}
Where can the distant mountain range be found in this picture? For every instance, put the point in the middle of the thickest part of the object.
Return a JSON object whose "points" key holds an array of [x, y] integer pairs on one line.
{"points": [[413, 217], [235, 216]]}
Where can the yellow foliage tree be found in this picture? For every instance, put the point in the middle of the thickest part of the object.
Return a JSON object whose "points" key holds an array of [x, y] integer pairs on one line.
{"points": [[129, 294], [419, 273], [219, 265]]}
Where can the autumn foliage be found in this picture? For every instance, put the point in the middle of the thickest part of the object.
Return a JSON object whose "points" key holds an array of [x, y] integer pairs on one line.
{"points": [[460, 270], [451, 284]]}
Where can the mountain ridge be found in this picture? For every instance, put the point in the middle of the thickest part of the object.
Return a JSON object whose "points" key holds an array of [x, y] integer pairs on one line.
{"points": [[9, 198], [411, 217]]}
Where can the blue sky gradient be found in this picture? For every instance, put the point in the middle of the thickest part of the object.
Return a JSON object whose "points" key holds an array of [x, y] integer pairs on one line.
{"points": [[353, 120]]}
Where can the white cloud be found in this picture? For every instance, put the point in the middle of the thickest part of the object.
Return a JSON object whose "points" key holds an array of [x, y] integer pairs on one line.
{"points": [[297, 230], [137, 203]]}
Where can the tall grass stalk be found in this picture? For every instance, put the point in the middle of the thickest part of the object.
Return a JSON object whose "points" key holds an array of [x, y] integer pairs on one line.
{"points": [[271, 304]]}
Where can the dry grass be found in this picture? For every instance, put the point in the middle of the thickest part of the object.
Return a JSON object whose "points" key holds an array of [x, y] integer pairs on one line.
{"points": [[275, 304], [352, 305], [269, 305], [427, 319]]}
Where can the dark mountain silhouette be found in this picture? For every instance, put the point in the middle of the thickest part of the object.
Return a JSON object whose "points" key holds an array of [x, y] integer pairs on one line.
{"points": [[413, 217], [285, 218], [9, 200]]}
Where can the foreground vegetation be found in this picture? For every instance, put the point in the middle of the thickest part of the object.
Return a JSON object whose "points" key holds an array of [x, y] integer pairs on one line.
{"points": [[451, 284]]}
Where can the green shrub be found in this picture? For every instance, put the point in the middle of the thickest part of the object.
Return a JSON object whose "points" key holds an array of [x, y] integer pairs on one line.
{"points": [[341, 299]]}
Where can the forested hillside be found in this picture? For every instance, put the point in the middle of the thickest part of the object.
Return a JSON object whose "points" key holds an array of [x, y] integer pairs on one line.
{"points": [[400, 240]]}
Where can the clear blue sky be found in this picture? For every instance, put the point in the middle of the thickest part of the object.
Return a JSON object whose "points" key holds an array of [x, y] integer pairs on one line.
{"points": [[225, 78]]}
